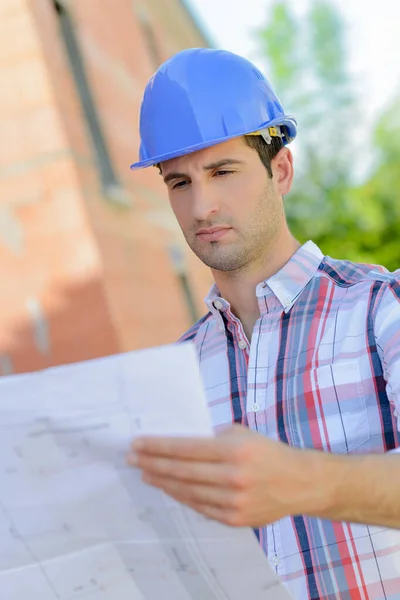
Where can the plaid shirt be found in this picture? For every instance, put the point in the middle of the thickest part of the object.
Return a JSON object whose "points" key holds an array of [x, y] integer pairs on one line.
{"points": [[322, 371]]}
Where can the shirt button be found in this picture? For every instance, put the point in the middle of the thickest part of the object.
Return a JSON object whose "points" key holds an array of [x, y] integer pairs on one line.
{"points": [[218, 305], [255, 407], [275, 561], [242, 344]]}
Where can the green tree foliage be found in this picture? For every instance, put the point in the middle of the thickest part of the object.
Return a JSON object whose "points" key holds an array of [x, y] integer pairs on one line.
{"points": [[306, 60], [376, 205]]}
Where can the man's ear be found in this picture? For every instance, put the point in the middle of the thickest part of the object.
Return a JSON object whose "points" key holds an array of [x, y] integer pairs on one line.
{"points": [[283, 172]]}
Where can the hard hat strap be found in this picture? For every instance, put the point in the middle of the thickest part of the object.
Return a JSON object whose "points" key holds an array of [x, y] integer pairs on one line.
{"points": [[268, 133]]}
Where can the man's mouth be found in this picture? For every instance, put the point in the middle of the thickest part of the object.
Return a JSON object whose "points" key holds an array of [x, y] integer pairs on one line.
{"points": [[212, 234]]}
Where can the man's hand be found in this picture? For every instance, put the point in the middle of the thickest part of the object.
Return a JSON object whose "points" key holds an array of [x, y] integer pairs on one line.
{"points": [[239, 477]]}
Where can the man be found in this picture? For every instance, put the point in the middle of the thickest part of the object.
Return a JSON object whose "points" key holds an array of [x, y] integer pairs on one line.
{"points": [[300, 353]]}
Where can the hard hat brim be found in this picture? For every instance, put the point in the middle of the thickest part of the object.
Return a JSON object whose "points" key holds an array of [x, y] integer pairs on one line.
{"points": [[288, 122]]}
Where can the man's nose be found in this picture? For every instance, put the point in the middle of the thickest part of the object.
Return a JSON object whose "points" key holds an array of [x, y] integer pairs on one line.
{"points": [[205, 202]]}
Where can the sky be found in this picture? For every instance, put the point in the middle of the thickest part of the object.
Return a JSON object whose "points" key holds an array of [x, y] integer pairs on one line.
{"points": [[373, 38]]}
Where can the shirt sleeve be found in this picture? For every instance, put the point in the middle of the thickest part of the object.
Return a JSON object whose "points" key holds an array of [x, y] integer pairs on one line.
{"points": [[387, 336]]}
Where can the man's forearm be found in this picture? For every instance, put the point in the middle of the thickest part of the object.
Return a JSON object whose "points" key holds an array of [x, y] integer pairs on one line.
{"points": [[358, 488]]}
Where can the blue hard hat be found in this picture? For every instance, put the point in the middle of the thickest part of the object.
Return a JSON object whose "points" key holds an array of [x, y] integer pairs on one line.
{"points": [[201, 97]]}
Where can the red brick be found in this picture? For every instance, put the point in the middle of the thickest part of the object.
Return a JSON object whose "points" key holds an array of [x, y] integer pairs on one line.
{"points": [[101, 273]]}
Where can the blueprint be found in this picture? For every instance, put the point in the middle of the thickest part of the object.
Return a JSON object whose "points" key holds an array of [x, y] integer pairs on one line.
{"points": [[77, 523]]}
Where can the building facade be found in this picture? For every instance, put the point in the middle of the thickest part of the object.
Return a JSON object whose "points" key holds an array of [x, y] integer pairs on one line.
{"points": [[91, 259]]}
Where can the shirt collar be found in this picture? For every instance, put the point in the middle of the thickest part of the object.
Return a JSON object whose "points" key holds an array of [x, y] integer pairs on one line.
{"points": [[287, 284]]}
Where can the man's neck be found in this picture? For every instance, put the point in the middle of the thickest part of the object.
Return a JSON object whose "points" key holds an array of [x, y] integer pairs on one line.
{"points": [[239, 288]]}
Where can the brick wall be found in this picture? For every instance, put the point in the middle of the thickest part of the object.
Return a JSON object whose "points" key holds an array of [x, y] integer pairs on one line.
{"points": [[85, 265]]}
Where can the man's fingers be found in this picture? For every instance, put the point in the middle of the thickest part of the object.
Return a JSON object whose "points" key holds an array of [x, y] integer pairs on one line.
{"points": [[191, 494], [227, 446], [228, 517], [183, 470], [190, 449], [230, 430], [213, 504]]}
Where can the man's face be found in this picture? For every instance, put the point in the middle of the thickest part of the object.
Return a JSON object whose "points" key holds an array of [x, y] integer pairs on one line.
{"points": [[229, 210]]}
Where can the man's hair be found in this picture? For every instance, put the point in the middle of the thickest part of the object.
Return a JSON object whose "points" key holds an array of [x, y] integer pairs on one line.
{"points": [[265, 151]]}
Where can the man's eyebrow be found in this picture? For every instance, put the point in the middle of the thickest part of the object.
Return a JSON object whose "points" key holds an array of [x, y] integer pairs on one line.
{"points": [[222, 163], [210, 167], [172, 176]]}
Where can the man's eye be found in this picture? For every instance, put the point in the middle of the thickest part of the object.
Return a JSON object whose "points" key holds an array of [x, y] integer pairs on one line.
{"points": [[180, 184], [223, 172]]}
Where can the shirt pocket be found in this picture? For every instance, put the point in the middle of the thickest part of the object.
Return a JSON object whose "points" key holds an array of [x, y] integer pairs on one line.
{"points": [[327, 408]]}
